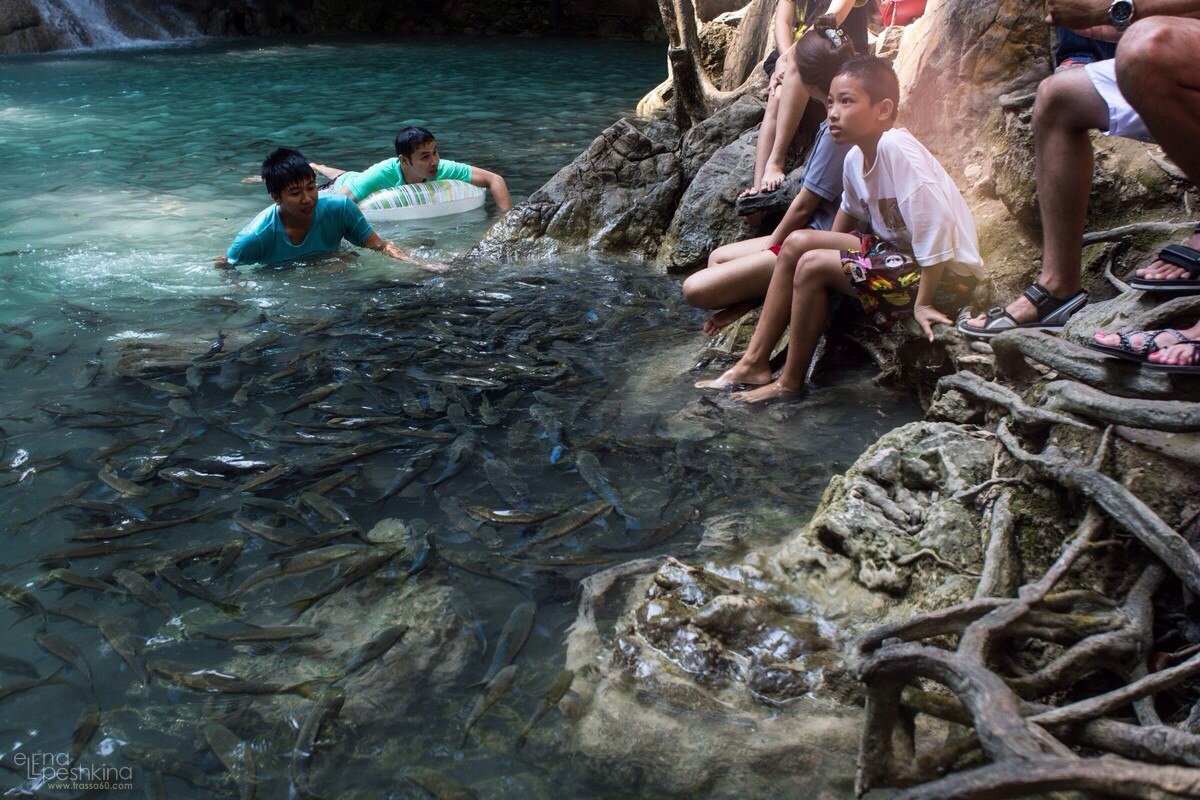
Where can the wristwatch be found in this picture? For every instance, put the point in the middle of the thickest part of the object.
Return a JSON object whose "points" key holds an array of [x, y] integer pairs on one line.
{"points": [[1120, 13]]}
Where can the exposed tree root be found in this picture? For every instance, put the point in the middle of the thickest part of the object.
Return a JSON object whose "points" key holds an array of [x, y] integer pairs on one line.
{"points": [[1033, 718]]}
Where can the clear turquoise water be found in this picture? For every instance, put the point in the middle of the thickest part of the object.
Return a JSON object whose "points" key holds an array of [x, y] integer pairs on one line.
{"points": [[124, 176]]}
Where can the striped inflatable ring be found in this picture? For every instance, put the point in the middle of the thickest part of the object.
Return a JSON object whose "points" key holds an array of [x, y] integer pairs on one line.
{"points": [[422, 201]]}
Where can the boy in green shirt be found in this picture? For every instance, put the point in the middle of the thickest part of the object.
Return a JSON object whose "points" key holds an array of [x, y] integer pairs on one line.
{"points": [[416, 160]]}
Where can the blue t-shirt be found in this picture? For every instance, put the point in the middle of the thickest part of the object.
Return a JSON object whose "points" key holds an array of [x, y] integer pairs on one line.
{"points": [[264, 240], [823, 177]]}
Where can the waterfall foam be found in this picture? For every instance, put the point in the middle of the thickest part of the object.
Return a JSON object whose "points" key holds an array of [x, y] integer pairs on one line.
{"points": [[86, 24]]}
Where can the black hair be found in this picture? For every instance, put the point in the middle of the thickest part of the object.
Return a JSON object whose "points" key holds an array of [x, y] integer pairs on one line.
{"points": [[284, 167], [821, 51], [410, 138], [877, 77]]}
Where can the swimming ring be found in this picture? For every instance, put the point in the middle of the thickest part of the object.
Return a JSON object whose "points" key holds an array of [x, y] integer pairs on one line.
{"points": [[422, 201]]}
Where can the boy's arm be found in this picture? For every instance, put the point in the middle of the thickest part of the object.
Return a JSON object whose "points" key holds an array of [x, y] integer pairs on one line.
{"points": [[381, 245], [796, 217], [845, 222], [923, 310], [1090, 17], [493, 183]]}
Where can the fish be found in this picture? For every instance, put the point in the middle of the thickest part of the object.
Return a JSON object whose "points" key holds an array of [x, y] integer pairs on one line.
{"points": [[22, 597], [16, 330], [325, 507], [255, 633], [352, 454], [173, 575], [263, 478], [135, 526], [466, 612], [595, 477], [166, 387], [164, 761], [657, 536], [271, 533], [495, 689], [441, 787], [506, 482], [118, 634], [122, 486], [20, 687], [63, 500], [373, 649], [557, 690], [512, 638], [365, 566], [230, 552], [512, 516], [140, 588], [326, 708], [424, 558], [487, 413], [209, 680], [92, 550], [567, 524], [192, 477], [418, 464], [77, 579], [183, 408], [85, 728], [276, 507], [17, 666], [308, 398], [65, 651], [458, 455], [235, 755], [242, 395], [292, 566]]}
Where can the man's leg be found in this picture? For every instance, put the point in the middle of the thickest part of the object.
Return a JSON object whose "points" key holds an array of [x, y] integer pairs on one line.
{"points": [[1067, 109], [754, 367], [1157, 74], [329, 172], [793, 98], [816, 273]]}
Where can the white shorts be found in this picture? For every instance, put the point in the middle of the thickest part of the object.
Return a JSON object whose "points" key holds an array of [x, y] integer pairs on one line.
{"points": [[1122, 119]]}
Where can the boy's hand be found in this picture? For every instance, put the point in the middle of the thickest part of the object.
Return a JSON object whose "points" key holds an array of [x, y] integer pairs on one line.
{"points": [[221, 262], [926, 316]]}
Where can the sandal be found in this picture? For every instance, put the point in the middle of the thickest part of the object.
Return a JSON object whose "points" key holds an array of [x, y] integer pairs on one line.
{"points": [[1179, 255], [747, 205], [1179, 369], [1129, 352], [1052, 313]]}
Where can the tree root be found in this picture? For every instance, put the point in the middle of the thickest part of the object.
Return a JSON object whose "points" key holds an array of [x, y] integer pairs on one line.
{"points": [[971, 384], [1162, 415]]}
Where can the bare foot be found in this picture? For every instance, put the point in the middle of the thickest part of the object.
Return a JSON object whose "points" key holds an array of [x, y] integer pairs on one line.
{"points": [[1159, 270], [772, 177], [739, 373], [772, 391], [1184, 355], [753, 189], [726, 316]]}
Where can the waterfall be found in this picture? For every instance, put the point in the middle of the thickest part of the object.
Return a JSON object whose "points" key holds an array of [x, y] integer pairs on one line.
{"points": [[113, 23]]}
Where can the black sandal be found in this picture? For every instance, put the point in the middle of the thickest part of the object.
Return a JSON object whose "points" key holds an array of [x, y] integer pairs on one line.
{"points": [[1178, 255], [1052, 314], [1126, 349]]}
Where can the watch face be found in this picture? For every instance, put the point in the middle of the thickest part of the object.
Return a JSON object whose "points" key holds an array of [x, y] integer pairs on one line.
{"points": [[1121, 11]]}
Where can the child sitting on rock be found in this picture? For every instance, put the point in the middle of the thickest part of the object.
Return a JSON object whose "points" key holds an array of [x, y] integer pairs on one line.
{"points": [[416, 160], [739, 273], [903, 242]]}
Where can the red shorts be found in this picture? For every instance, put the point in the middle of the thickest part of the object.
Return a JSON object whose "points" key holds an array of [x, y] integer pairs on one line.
{"points": [[775, 248]]}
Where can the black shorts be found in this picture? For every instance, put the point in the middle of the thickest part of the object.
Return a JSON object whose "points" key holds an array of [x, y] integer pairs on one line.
{"points": [[769, 63]]}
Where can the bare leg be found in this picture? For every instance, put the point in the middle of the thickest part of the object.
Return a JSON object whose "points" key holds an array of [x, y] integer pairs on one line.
{"points": [[817, 271], [1155, 63], [328, 172], [766, 138], [754, 367], [1067, 109], [793, 98], [735, 281]]}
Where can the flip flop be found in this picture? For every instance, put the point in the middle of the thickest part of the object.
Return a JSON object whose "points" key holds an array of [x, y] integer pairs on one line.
{"points": [[745, 206], [1178, 369], [1127, 351], [1052, 314], [1179, 255]]}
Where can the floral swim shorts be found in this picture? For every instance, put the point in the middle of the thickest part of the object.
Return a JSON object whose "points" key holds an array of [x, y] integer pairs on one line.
{"points": [[885, 282]]}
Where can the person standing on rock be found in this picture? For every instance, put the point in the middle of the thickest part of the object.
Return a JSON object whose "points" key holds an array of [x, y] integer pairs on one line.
{"points": [[787, 95], [739, 273], [1148, 92], [903, 242], [417, 160]]}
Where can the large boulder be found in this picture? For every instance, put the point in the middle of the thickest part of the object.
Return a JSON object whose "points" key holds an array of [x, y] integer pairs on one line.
{"points": [[617, 197]]}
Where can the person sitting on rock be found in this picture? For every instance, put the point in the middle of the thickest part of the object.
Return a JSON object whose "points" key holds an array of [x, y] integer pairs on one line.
{"points": [[739, 273], [787, 95], [1121, 97], [300, 223], [918, 257], [416, 160]]}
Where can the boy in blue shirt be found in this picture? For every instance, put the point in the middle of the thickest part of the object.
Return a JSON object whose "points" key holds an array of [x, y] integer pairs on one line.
{"points": [[417, 160], [300, 223]]}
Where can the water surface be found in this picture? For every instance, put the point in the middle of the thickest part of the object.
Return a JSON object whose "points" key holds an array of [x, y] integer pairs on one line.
{"points": [[125, 173]]}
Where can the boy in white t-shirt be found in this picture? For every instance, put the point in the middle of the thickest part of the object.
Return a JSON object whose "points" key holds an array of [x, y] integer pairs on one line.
{"points": [[903, 242]]}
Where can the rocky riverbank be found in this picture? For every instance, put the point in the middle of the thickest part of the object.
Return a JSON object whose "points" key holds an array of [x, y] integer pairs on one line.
{"points": [[1047, 501]]}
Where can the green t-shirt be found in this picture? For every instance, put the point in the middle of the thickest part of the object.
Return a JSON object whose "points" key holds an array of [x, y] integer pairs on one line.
{"points": [[387, 175]]}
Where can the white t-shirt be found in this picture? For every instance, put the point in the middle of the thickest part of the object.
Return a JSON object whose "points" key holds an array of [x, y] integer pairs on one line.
{"points": [[910, 201]]}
